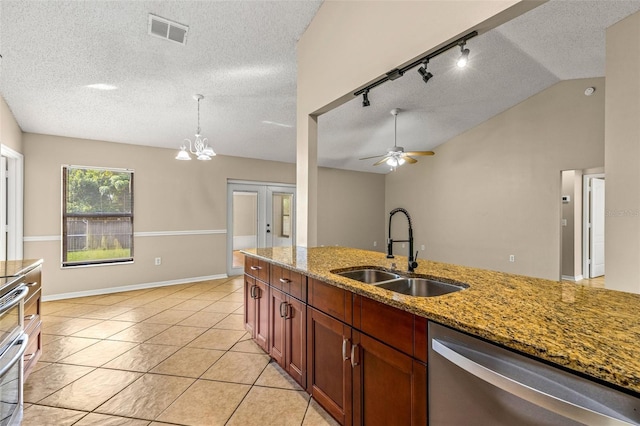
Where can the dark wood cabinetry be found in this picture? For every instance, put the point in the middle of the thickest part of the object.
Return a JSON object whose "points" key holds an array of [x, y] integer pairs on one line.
{"points": [[329, 366], [287, 334], [362, 360], [389, 387], [33, 318], [256, 302]]}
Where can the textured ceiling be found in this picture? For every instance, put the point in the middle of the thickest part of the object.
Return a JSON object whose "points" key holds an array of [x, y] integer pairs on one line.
{"points": [[241, 56]]}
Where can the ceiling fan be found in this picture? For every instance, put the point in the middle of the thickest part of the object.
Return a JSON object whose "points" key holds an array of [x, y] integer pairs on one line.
{"points": [[396, 156]]}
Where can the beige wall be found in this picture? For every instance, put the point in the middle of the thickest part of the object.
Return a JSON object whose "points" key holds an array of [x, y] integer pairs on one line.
{"points": [[169, 196], [351, 209], [495, 190], [622, 156], [349, 44], [10, 133]]}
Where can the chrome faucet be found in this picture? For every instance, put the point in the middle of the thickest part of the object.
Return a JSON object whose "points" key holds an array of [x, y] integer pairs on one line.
{"points": [[412, 260]]}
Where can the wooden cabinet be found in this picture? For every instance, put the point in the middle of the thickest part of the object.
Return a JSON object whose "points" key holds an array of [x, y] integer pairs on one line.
{"points": [[329, 376], [256, 310], [33, 318], [362, 360], [389, 387], [287, 334]]}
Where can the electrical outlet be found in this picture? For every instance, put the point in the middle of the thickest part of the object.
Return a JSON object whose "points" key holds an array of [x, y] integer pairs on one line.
{"points": [[402, 245], [512, 258], [375, 244], [422, 247], [158, 261]]}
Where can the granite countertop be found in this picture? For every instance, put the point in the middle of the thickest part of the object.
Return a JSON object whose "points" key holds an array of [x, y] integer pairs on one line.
{"points": [[588, 330]]}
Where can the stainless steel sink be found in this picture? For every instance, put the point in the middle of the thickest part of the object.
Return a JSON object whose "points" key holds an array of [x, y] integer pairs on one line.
{"points": [[369, 276], [420, 287]]}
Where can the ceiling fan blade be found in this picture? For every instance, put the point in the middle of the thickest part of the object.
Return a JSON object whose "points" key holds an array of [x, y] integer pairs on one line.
{"points": [[410, 160], [381, 161], [373, 156], [420, 153]]}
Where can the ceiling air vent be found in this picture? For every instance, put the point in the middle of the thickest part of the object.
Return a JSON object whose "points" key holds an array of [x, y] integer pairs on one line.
{"points": [[168, 30]]}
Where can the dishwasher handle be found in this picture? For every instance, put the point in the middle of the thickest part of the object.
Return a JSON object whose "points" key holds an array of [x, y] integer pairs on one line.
{"points": [[521, 390]]}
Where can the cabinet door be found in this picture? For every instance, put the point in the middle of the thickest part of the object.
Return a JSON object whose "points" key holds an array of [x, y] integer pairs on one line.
{"points": [[249, 305], [277, 340], [329, 371], [262, 315], [296, 340], [389, 387]]}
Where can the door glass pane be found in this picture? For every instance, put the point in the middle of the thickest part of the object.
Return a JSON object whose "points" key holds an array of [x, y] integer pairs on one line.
{"points": [[282, 219], [245, 224]]}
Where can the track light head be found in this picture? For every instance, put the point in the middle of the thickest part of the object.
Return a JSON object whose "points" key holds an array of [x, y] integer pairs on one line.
{"points": [[464, 56], [426, 75], [365, 99]]}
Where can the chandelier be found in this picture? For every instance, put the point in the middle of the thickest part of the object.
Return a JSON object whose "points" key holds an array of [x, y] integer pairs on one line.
{"points": [[199, 147]]}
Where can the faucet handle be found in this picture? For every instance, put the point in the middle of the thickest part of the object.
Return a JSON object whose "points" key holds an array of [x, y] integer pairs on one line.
{"points": [[413, 263]]}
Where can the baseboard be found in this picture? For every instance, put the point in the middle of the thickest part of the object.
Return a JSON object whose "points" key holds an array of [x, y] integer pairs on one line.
{"points": [[110, 290], [570, 278]]}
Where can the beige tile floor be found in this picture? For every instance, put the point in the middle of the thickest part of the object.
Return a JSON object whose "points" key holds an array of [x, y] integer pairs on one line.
{"points": [[170, 355]]}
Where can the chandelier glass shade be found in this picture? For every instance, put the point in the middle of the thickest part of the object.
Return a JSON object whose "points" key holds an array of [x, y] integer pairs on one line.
{"points": [[199, 146]]}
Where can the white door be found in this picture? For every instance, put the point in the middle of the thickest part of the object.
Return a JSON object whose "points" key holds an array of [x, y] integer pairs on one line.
{"points": [[596, 240], [258, 215]]}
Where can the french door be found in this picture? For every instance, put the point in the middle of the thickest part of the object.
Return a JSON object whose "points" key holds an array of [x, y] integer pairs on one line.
{"points": [[258, 215]]}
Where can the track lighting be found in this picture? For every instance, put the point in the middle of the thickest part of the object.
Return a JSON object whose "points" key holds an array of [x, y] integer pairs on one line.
{"points": [[464, 56], [426, 75], [365, 98]]}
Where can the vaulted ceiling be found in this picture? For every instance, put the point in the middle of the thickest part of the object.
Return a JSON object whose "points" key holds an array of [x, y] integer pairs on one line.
{"points": [[241, 56]]}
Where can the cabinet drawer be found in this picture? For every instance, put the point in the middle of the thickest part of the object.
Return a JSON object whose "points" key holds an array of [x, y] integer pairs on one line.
{"points": [[33, 351], [33, 280], [32, 310], [330, 300], [256, 268], [290, 282], [390, 325]]}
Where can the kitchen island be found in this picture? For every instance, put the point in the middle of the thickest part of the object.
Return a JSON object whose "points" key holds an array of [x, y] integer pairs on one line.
{"points": [[594, 332]]}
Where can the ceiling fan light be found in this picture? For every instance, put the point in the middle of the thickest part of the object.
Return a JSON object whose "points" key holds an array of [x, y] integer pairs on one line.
{"points": [[400, 161], [183, 155], [392, 161]]}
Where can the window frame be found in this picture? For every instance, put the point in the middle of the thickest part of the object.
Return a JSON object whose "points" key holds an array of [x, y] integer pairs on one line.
{"points": [[64, 230]]}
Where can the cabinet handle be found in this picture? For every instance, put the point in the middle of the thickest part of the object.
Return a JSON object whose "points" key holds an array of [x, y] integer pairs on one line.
{"points": [[285, 280], [30, 317], [354, 363], [345, 343], [28, 357], [283, 310], [33, 284], [251, 292], [256, 268]]}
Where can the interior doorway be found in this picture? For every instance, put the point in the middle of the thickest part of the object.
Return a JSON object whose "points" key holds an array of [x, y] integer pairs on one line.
{"points": [[593, 231], [258, 215], [582, 226]]}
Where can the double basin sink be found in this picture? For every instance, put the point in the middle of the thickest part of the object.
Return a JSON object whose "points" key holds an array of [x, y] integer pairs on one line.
{"points": [[419, 287]]}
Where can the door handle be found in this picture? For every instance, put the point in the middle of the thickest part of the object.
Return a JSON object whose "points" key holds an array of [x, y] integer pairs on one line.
{"points": [[354, 351], [345, 343]]}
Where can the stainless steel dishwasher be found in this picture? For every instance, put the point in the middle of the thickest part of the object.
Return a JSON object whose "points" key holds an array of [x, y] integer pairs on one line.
{"points": [[472, 382]]}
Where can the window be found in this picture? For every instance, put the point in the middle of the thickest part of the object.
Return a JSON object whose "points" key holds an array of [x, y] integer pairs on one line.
{"points": [[97, 216]]}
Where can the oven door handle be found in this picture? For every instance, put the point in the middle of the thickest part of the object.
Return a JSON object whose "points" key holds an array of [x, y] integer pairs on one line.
{"points": [[18, 294], [22, 343]]}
